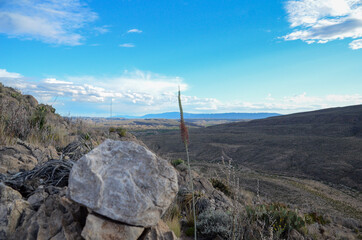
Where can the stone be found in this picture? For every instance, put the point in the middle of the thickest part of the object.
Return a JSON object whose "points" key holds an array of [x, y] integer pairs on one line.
{"points": [[57, 218], [12, 207], [37, 198], [160, 232], [97, 228], [124, 181], [23, 156]]}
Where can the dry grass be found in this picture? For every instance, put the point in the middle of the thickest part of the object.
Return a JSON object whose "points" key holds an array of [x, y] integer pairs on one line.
{"points": [[174, 225]]}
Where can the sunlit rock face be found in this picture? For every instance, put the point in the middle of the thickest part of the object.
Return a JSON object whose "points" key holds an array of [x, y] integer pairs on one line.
{"points": [[124, 181]]}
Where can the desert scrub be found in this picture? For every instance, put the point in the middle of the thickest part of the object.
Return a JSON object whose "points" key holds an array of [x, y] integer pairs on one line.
{"points": [[214, 223], [121, 131], [276, 216], [221, 186], [39, 117], [313, 217], [177, 162]]}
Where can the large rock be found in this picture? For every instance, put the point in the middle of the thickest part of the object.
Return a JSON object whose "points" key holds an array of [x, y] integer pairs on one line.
{"points": [[97, 228], [12, 207], [125, 182]]}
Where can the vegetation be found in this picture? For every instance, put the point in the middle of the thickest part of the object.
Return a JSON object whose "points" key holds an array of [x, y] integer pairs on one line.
{"points": [[215, 223], [313, 217], [185, 140], [175, 226], [221, 186], [177, 162], [277, 217], [121, 131]]}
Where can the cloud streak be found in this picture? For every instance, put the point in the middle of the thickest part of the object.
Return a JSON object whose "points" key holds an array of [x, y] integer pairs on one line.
{"points": [[50, 21], [321, 21], [139, 92], [135, 30], [127, 45]]}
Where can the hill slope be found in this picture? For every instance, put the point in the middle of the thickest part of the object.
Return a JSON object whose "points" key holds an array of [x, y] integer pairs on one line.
{"points": [[323, 145]]}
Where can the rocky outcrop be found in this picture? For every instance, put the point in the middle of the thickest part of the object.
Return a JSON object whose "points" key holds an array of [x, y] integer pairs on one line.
{"points": [[57, 218], [97, 228], [12, 206], [124, 181], [23, 156]]}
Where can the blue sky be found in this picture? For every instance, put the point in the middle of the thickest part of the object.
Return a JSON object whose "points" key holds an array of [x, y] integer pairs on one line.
{"points": [[227, 56]]}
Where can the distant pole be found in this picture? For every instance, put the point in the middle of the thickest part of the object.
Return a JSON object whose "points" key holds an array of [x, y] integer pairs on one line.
{"points": [[111, 106]]}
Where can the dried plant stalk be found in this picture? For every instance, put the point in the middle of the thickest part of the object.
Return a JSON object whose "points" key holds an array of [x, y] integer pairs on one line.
{"points": [[185, 140]]}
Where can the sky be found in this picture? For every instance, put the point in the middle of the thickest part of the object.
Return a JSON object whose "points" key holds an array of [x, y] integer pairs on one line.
{"points": [[85, 57]]}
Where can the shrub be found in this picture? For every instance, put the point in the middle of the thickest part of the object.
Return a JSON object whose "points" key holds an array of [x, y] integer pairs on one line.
{"points": [[313, 217], [16, 95], [121, 131], [219, 185], [173, 211], [277, 216], [39, 117], [214, 223], [177, 162]]}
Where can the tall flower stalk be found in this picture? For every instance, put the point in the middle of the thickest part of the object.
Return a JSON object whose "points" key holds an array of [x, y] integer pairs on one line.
{"points": [[185, 140]]}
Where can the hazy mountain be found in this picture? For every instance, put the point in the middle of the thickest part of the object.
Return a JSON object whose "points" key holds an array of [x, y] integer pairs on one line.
{"points": [[176, 115]]}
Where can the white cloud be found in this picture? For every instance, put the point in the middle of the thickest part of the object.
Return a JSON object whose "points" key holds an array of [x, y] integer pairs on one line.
{"points": [[322, 21], [50, 21], [135, 30], [6, 74], [127, 45], [103, 29], [139, 92], [356, 44]]}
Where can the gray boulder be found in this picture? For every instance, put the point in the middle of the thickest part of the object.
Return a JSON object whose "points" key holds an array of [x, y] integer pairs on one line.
{"points": [[124, 181]]}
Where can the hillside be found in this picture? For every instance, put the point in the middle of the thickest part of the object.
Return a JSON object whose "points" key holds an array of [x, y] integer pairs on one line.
{"points": [[323, 145], [38, 149]]}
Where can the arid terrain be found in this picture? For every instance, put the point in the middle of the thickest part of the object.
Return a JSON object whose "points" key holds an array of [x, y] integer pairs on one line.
{"points": [[310, 160], [322, 145], [302, 171]]}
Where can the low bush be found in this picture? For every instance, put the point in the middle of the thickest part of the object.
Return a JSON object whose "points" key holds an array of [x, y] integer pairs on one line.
{"points": [[121, 131], [313, 217], [177, 162], [221, 186], [214, 223], [39, 117], [277, 216]]}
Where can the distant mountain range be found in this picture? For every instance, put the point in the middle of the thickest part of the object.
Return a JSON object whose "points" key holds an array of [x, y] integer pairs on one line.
{"points": [[176, 115]]}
